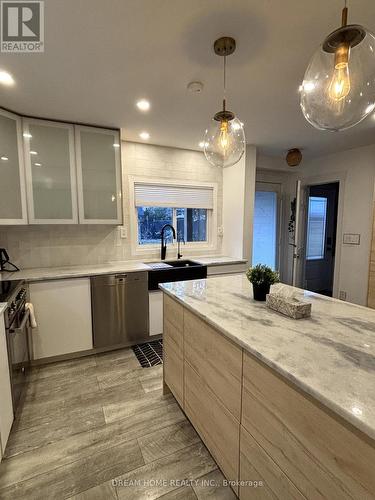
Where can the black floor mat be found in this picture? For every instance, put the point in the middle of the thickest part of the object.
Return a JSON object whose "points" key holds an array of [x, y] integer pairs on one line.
{"points": [[149, 354]]}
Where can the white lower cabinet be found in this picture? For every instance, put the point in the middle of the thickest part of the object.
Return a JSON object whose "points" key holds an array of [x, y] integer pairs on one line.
{"points": [[155, 300], [63, 314], [6, 405]]}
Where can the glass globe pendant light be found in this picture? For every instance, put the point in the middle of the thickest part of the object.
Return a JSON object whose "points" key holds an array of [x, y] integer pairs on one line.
{"points": [[338, 89], [224, 140]]}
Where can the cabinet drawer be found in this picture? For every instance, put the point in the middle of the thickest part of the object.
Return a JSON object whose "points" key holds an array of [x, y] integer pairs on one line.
{"points": [[174, 371], [255, 467], [216, 359], [174, 312], [300, 436], [216, 425], [174, 336]]}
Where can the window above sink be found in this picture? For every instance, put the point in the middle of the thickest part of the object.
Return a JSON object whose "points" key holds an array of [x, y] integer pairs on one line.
{"points": [[190, 207], [190, 223]]}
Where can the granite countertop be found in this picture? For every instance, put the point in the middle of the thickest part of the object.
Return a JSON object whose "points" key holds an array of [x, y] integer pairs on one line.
{"points": [[45, 273], [330, 356]]}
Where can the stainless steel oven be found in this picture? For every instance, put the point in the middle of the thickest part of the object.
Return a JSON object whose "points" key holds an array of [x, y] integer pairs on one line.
{"points": [[17, 326]]}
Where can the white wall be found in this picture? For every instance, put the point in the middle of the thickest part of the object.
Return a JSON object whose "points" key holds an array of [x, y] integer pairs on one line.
{"points": [[356, 168], [63, 245], [238, 206]]}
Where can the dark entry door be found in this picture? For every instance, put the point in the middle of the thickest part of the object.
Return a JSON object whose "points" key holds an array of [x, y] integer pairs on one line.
{"points": [[322, 203]]}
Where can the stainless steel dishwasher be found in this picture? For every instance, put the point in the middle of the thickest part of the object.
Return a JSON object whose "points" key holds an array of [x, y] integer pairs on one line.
{"points": [[119, 309]]}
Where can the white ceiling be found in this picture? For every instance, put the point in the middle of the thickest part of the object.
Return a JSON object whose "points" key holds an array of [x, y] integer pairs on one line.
{"points": [[101, 56]]}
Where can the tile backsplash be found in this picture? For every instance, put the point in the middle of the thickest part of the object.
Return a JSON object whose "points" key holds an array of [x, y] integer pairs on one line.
{"points": [[65, 245]]}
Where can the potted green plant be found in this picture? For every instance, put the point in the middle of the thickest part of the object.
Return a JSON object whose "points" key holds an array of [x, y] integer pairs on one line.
{"points": [[262, 277]]}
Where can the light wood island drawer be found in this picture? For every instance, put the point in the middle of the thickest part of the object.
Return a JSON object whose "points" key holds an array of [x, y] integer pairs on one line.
{"points": [[173, 370], [257, 467], [175, 336], [216, 359], [215, 424], [320, 453], [174, 312]]}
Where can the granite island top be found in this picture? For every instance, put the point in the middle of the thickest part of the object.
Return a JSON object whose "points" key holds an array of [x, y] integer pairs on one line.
{"points": [[330, 356], [46, 273]]}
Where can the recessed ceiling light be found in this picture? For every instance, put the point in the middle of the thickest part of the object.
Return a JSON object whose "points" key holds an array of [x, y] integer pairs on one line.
{"points": [[38, 164], [27, 135], [4, 158], [33, 152], [144, 135], [116, 145], [143, 105], [6, 78]]}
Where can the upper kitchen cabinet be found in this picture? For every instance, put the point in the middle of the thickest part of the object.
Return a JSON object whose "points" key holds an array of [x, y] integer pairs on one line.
{"points": [[12, 186], [98, 175], [50, 172]]}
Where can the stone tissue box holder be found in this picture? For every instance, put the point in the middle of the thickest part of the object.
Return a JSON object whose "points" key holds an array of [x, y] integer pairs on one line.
{"points": [[289, 306]]}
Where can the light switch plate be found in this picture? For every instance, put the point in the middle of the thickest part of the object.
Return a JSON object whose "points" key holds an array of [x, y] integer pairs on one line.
{"points": [[220, 231], [351, 239], [123, 232]]}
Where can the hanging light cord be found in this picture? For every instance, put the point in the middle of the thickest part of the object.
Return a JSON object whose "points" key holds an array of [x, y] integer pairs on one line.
{"points": [[225, 81], [344, 17]]}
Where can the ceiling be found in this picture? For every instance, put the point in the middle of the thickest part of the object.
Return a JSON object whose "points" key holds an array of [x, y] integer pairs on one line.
{"points": [[101, 56]]}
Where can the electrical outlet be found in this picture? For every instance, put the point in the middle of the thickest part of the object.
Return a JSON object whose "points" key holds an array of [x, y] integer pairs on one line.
{"points": [[220, 231], [123, 232], [342, 295]]}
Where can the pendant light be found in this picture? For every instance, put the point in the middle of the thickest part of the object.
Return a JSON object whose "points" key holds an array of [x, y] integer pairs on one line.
{"points": [[224, 141], [338, 89]]}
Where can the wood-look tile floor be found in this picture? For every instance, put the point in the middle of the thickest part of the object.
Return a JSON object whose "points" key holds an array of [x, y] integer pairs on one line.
{"points": [[100, 428]]}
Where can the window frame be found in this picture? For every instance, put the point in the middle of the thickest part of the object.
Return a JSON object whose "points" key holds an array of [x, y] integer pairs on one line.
{"points": [[212, 215]]}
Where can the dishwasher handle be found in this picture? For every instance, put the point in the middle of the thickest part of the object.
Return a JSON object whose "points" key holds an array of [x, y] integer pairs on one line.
{"points": [[119, 279]]}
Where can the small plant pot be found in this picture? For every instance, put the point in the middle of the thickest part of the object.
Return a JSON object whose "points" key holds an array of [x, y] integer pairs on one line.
{"points": [[260, 291]]}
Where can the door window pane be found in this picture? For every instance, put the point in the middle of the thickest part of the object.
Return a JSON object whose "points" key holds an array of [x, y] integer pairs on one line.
{"points": [[192, 224], [150, 222], [10, 191], [316, 227], [265, 228], [50, 170], [98, 157]]}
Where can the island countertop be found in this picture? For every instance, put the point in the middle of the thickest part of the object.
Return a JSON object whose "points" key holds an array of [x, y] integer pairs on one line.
{"points": [[330, 356]]}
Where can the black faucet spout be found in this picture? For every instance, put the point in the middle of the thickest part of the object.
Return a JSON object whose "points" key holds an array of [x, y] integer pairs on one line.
{"points": [[163, 250]]}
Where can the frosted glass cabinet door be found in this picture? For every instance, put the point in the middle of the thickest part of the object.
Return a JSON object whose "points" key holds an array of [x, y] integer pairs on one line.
{"points": [[50, 172], [12, 181], [98, 175]]}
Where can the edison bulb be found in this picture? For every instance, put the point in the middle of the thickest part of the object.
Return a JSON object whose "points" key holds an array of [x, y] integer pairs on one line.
{"points": [[224, 142], [338, 89]]}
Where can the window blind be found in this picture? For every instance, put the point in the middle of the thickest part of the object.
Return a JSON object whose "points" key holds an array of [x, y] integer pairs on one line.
{"points": [[168, 195]]}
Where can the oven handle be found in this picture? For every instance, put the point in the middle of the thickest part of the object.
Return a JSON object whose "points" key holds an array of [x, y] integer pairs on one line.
{"points": [[25, 319]]}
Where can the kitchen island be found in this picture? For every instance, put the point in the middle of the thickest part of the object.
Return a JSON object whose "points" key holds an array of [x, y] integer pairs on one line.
{"points": [[286, 403]]}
